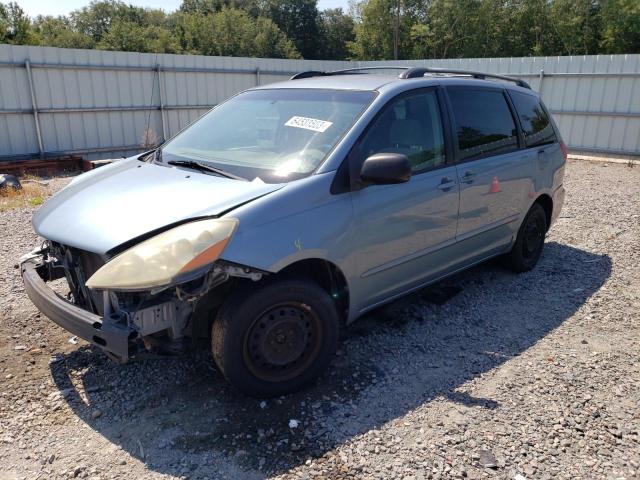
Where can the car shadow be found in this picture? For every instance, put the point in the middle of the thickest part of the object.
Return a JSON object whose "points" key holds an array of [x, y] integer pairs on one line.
{"points": [[179, 416]]}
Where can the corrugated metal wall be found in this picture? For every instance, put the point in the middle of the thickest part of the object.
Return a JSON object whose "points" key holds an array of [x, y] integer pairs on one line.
{"points": [[99, 103]]}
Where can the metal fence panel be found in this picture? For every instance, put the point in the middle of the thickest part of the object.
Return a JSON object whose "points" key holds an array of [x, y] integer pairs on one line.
{"points": [[102, 104]]}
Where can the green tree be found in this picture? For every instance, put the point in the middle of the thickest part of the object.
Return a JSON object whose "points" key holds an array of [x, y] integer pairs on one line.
{"points": [[577, 24], [232, 32], [123, 35], [271, 42], [205, 7], [4, 23], [95, 19], [58, 32], [298, 19], [190, 30], [16, 25], [492, 30], [336, 33], [128, 36], [620, 26], [449, 29], [374, 30], [384, 28], [531, 31], [208, 7]]}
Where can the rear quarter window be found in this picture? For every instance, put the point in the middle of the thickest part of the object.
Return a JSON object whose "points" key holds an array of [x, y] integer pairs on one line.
{"points": [[534, 119], [484, 124]]}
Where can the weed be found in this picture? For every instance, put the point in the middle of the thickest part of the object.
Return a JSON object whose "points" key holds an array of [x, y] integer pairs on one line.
{"points": [[31, 194]]}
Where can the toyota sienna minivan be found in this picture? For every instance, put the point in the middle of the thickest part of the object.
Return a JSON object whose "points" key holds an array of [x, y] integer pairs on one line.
{"points": [[291, 209]]}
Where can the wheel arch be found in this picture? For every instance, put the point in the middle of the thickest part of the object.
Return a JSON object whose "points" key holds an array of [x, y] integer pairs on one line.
{"points": [[326, 274], [546, 202]]}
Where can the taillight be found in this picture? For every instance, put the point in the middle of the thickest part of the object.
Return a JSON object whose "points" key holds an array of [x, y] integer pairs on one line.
{"points": [[565, 150]]}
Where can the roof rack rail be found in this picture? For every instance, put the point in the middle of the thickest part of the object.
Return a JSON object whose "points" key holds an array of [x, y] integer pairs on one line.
{"points": [[308, 74], [417, 72], [346, 71], [412, 72], [360, 69]]}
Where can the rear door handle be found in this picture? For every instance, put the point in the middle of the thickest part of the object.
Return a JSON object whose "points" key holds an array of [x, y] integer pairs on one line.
{"points": [[446, 184], [468, 177]]}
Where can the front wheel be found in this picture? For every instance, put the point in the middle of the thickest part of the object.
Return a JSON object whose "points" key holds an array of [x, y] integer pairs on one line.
{"points": [[529, 243], [276, 338]]}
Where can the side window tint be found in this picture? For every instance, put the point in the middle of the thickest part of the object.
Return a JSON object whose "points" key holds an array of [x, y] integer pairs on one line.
{"points": [[410, 125], [534, 120], [484, 125]]}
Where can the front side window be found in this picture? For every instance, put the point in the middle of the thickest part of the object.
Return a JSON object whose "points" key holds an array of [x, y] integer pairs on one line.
{"points": [[410, 125], [274, 135], [534, 120], [483, 123]]}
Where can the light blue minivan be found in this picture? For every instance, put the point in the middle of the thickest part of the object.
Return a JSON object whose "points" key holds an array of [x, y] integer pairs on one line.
{"points": [[291, 209]]}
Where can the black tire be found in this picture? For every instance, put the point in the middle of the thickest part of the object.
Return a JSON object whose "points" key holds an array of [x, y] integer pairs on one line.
{"points": [[275, 338], [529, 243]]}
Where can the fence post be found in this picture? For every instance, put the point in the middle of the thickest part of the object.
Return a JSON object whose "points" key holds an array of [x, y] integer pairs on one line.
{"points": [[257, 76], [34, 106], [540, 84], [161, 95]]}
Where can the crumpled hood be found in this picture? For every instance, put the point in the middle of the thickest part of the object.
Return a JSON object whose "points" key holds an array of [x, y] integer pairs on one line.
{"points": [[116, 203]]}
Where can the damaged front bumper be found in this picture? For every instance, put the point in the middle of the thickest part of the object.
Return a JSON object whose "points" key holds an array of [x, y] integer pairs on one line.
{"points": [[114, 338], [121, 323]]}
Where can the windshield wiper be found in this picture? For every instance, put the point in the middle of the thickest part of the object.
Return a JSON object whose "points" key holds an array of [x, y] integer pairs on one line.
{"points": [[203, 167]]}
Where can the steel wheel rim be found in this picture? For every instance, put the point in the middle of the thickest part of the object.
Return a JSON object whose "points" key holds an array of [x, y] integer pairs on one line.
{"points": [[282, 342], [532, 238]]}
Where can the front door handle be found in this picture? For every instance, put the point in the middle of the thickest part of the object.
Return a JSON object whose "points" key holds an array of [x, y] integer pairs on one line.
{"points": [[468, 177], [446, 184]]}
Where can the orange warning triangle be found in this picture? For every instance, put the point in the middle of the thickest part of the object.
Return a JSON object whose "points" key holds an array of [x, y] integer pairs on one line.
{"points": [[495, 186]]}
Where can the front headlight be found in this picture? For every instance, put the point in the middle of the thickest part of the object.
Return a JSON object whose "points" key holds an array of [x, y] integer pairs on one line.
{"points": [[167, 257]]}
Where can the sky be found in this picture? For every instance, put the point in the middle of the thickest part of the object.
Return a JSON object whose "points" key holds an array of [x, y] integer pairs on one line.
{"points": [[62, 7]]}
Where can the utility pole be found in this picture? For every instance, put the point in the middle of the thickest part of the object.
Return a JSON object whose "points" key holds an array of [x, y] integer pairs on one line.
{"points": [[396, 31]]}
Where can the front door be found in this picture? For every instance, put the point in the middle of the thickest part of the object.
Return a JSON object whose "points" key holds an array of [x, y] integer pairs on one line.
{"points": [[398, 227]]}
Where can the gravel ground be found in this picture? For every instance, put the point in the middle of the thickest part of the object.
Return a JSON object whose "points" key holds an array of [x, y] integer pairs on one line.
{"points": [[487, 374]]}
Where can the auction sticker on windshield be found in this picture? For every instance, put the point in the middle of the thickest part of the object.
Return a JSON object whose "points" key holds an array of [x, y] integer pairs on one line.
{"points": [[308, 123]]}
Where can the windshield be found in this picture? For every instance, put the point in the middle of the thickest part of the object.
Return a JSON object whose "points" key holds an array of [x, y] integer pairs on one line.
{"points": [[274, 135]]}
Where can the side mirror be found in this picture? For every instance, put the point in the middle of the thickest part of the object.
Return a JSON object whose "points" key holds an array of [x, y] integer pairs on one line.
{"points": [[385, 169]]}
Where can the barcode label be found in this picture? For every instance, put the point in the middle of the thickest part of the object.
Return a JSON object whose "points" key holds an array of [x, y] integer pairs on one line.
{"points": [[308, 123]]}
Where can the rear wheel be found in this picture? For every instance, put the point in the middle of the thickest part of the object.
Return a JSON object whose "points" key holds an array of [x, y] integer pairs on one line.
{"points": [[276, 338], [529, 243]]}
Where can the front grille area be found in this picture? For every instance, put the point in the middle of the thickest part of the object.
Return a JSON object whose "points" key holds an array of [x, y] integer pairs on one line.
{"points": [[79, 265]]}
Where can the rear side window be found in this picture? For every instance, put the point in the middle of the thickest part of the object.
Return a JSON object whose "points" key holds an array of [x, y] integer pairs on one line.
{"points": [[483, 123], [534, 119]]}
